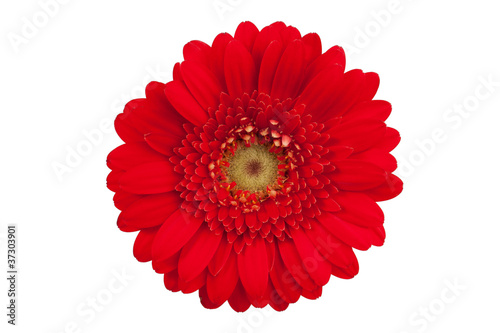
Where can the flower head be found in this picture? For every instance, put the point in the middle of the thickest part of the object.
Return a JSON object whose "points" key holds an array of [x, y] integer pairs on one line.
{"points": [[253, 174]]}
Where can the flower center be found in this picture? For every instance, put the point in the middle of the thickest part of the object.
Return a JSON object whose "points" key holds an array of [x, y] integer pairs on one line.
{"points": [[253, 168]]}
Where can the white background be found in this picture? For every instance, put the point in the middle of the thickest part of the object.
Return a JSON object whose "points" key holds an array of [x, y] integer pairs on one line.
{"points": [[78, 69]]}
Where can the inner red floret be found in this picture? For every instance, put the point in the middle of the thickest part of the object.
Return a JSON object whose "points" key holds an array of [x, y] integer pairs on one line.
{"points": [[250, 120]]}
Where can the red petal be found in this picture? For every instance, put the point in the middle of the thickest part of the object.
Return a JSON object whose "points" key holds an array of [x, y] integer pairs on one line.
{"points": [[150, 178], [391, 188], [171, 281], [151, 210], [130, 155], [328, 205], [356, 175], [205, 300], [334, 56], [112, 180], [126, 228], [313, 294], [124, 199], [372, 81], [188, 287], [293, 263], [376, 109], [271, 208], [262, 41], [275, 301], [390, 140], [126, 131], [239, 301], [284, 283], [218, 50], [239, 70], [143, 243], [166, 265], [270, 62], [339, 152], [176, 73], [288, 78], [185, 103], [202, 84], [359, 134], [253, 270], [246, 33], [197, 51], [347, 272], [338, 253], [317, 95], [151, 116], [378, 157], [220, 287], [359, 209], [251, 219], [155, 94], [347, 94], [164, 144], [289, 34], [316, 265], [353, 235], [198, 252], [220, 256], [313, 49], [174, 233], [271, 253]]}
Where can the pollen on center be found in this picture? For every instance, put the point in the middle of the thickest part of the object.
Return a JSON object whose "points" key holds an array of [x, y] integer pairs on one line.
{"points": [[253, 168]]}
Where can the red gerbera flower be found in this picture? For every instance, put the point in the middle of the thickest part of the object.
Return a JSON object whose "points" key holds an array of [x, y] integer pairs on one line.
{"points": [[255, 172]]}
